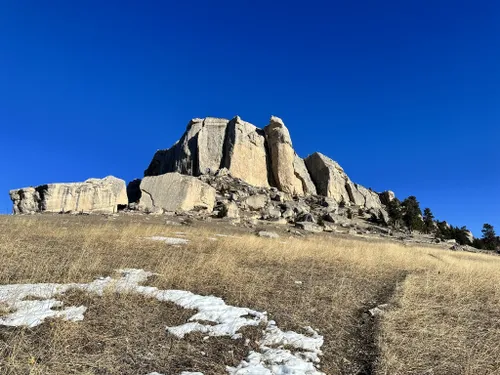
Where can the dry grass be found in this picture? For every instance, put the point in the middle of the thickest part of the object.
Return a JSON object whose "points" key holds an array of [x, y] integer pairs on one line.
{"points": [[445, 319]]}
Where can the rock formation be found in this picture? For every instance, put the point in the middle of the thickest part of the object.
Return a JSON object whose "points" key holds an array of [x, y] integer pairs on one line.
{"points": [[245, 153], [212, 143], [199, 150], [289, 171], [301, 172], [262, 158], [328, 176], [331, 181], [259, 157], [219, 148], [175, 192], [94, 195]]}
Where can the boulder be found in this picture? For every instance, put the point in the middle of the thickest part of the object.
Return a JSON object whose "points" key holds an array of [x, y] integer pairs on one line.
{"points": [[268, 234], [371, 199], [256, 202], [271, 213], [309, 227], [288, 213], [355, 195], [383, 216], [332, 181], [282, 157], [330, 217], [328, 176], [230, 210], [94, 195], [306, 217], [278, 196], [329, 227], [330, 204], [175, 192]]}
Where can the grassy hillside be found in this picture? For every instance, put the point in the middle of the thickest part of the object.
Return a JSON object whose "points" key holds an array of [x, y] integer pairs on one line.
{"points": [[442, 316]]}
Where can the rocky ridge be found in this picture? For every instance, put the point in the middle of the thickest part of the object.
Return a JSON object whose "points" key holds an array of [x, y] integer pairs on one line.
{"points": [[236, 173], [105, 195], [227, 169], [260, 157]]}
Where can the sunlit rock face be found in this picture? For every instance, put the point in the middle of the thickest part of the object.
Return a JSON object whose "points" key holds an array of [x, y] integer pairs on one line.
{"points": [[94, 195]]}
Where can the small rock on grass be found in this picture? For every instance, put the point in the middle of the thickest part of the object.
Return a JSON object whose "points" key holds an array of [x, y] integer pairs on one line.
{"points": [[309, 227], [267, 234]]}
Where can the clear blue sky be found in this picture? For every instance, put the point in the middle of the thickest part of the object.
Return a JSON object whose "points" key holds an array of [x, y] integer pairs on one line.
{"points": [[405, 95]]}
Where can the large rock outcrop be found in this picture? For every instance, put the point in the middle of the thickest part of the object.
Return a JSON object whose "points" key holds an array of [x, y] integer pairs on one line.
{"points": [[328, 176], [262, 158], [289, 172], [200, 150], [94, 195], [245, 154], [175, 192], [282, 157], [212, 143], [331, 181]]}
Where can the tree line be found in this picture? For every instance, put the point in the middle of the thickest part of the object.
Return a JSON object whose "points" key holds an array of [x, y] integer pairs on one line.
{"points": [[408, 215]]}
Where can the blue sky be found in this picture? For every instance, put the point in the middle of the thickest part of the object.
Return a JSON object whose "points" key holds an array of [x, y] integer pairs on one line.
{"points": [[405, 95]]}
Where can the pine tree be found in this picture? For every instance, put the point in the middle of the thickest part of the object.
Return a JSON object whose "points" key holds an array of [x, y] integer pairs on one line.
{"points": [[489, 239], [412, 214], [428, 220], [395, 212]]}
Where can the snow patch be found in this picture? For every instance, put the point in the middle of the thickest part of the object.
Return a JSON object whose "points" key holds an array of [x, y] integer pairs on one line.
{"points": [[169, 240], [273, 358], [33, 313], [279, 352]]}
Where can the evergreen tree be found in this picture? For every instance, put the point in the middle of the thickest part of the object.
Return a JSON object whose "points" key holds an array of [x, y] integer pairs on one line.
{"points": [[460, 235], [412, 214], [442, 230], [489, 239], [478, 243], [395, 212], [428, 220]]}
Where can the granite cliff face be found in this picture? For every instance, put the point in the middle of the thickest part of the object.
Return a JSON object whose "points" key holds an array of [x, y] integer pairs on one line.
{"points": [[211, 144], [94, 195], [174, 180], [259, 157]]}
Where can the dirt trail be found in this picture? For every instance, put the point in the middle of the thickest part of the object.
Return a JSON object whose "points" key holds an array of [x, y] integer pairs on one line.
{"points": [[363, 354]]}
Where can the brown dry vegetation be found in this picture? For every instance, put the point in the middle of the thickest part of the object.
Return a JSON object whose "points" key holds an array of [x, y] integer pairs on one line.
{"points": [[443, 318]]}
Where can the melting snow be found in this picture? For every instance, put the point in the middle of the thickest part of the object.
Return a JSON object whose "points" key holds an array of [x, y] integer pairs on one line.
{"points": [[279, 353], [169, 240]]}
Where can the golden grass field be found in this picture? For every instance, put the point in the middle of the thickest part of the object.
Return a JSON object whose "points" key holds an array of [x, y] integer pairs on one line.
{"points": [[444, 315]]}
